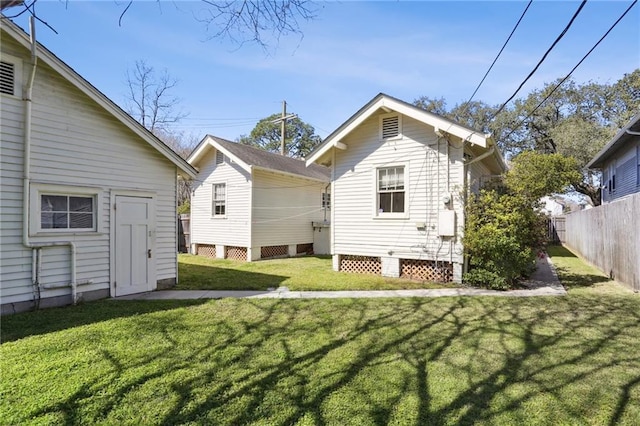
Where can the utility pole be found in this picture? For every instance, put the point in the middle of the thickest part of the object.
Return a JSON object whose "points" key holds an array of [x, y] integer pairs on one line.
{"points": [[283, 129]]}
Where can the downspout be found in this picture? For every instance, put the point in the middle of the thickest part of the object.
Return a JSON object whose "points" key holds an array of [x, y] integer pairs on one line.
{"points": [[36, 257], [632, 133]]}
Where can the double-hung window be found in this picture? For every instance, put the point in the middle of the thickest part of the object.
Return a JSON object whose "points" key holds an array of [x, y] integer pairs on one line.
{"points": [[390, 190], [219, 204]]}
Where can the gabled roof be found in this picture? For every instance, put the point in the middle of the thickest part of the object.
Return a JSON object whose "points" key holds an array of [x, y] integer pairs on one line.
{"points": [[250, 158], [46, 56], [389, 103], [616, 143]]}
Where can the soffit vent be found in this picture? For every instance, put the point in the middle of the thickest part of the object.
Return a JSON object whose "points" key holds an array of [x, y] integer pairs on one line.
{"points": [[7, 78], [390, 127]]}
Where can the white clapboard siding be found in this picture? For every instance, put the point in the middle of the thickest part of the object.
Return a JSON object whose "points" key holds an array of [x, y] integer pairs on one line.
{"points": [[75, 142], [356, 229], [284, 208], [235, 228]]}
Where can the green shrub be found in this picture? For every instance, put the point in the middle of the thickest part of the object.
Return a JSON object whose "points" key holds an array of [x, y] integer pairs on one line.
{"points": [[485, 279], [502, 236]]}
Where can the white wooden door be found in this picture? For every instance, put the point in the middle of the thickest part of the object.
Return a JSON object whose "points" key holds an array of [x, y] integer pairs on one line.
{"points": [[134, 248]]}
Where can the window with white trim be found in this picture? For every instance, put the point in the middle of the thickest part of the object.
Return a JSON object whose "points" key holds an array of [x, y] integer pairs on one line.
{"points": [[64, 209], [326, 200], [611, 183], [390, 126], [219, 203], [390, 190], [68, 212]]}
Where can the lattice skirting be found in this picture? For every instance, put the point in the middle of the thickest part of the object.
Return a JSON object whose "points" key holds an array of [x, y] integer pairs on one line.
{"points": [[235, 253], [304, 248], [273, 251], [426, 270], [360, 264], [206, 250]]}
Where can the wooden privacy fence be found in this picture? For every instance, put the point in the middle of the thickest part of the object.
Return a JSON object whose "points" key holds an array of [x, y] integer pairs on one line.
{"points": [[608, 236]]}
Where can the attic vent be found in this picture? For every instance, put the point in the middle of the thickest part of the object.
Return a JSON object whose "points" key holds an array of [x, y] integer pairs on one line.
{"points": [[7, 78], [219, 157], [390, 127]]}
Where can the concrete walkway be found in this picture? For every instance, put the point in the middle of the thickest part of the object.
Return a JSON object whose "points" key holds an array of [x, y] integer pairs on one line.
{"points": [[544, 282]]}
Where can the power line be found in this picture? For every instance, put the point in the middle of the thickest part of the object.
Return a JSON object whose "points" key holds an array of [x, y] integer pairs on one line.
{"points": [[573, 69], [573, 18], [500, 52]]}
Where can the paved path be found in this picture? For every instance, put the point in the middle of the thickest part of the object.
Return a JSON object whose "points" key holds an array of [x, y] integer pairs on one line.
{"points": [[544, 282]]}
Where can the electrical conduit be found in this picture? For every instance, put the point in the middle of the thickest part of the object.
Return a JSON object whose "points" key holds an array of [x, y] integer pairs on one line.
{"points": [[36, 258]]}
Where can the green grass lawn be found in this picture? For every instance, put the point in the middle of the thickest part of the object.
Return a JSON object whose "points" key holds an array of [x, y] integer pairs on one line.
{"points": [[578, 276], [455, 360], [297, 274]]}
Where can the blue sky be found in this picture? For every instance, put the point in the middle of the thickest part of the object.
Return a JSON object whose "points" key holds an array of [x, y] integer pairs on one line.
{"points": [[350, 53]]}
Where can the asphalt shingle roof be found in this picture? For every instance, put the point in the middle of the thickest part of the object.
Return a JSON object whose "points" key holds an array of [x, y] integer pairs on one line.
{"points": [[276, 162]]}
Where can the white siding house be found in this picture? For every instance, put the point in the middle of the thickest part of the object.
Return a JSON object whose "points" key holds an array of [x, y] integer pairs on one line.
{"points": [[619, 161], [88, 196], [249, 204], [399, 176]]}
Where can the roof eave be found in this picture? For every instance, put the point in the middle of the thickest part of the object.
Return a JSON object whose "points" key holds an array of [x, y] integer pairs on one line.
{"points": [[613, 145], [210, 142], [385, 101], [100, 98]]}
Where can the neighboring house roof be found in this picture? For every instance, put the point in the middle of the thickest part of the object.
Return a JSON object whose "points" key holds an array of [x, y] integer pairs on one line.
{"points": [[389, 103], [622, 137], [249, 158], [46, 56]]}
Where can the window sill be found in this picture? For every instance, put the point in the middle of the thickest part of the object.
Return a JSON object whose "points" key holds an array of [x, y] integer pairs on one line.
{"points": [[391, 216], [67, 234], [218, 217]]}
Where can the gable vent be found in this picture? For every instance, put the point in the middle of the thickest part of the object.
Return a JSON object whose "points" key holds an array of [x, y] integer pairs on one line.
{"points": [[7, 78], [219, 157], [390, 127]]}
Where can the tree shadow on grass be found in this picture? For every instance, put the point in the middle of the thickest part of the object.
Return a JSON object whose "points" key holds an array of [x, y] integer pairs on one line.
{"points": [[405, 361], [571, 280], [21, 325]]}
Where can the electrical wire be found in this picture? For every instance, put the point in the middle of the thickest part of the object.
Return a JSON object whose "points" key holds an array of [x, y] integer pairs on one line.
{"points": [[499, 53], [553, 45], [572, 70]]}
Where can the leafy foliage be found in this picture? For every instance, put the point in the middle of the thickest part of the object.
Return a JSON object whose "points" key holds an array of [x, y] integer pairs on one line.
{"points": [[504, 230], [300, 137], [575, 120], [533, 175], [502, 235]]}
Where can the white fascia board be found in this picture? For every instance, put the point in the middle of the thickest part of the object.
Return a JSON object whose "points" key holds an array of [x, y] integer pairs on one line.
{"points": [[348, 128], [438, 122], [100, 98], [205, 145]]}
